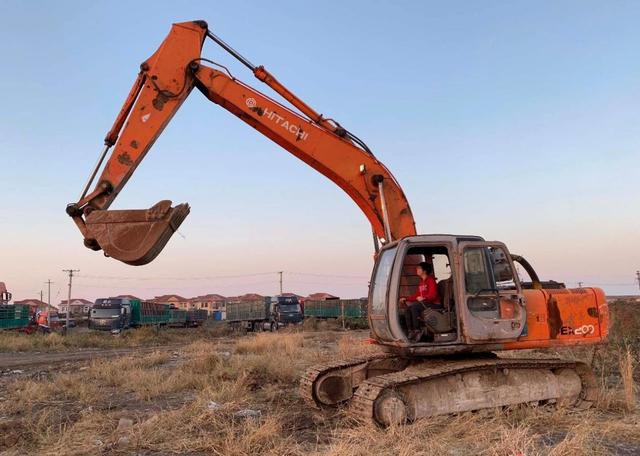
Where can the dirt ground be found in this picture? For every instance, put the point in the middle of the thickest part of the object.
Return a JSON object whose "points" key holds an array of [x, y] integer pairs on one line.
{"points": [[203, 392]]}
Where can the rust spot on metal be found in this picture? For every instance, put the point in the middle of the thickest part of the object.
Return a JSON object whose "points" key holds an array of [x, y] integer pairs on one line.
{"points": [[160, 100], [125, 159], [258, 110], [555, 319], [134, 144]]}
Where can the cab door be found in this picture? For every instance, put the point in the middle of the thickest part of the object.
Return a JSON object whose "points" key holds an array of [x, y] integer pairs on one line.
{"points": [[126, 316], [493, 307]]}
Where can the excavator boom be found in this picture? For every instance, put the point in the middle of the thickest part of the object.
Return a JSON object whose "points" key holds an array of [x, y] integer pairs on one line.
{"points": [[165, 80]]}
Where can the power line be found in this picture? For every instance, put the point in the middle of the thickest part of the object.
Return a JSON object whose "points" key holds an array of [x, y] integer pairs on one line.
{"points": [[328, 275], [216, 277], [237, 276]]}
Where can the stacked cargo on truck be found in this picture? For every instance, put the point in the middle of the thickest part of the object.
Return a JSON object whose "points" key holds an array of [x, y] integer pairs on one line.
{"points": [[14, 316], [336, 308], [147, 313]]}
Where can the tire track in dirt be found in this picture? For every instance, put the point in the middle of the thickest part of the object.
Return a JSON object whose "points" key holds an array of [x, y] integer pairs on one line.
{"points": [[29, 359]]}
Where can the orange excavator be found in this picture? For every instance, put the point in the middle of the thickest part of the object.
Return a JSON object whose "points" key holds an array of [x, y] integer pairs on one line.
{"points": [[486, 306]]}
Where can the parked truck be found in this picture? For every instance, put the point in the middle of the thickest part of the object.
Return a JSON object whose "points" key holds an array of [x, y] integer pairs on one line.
{"points": [[116, 314], [267, 314], [196, 317], [13, 316]]}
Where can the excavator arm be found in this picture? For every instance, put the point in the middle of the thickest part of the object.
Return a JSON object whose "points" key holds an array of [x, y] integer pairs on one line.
{"points": [[165, 80]]}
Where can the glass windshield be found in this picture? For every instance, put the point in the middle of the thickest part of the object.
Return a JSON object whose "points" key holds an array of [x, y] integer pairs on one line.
{"points": [[381, 281], [105, 313], [289, 307], [487, 269]]}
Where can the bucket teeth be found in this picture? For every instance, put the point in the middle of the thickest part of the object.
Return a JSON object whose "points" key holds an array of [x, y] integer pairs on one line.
{"points": [[135, 236]]}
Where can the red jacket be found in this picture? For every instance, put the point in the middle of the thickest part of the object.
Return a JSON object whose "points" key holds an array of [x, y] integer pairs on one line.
{"points": [[428, 290]]}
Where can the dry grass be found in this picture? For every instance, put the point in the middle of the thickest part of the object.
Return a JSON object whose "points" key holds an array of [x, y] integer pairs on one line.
{"points": [[186, 403], [351, 347], [285, 343], [626, 372], [11, 341]]}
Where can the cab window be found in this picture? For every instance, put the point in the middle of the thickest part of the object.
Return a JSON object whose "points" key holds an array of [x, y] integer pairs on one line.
{"points": [[488, 275], [487, 269]]}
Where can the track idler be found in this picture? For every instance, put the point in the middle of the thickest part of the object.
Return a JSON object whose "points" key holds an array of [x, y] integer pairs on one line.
{"points": [[135, 236]]}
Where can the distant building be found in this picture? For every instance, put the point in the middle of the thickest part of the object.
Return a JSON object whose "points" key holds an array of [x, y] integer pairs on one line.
{"points": [[176, 300], [246, 297], [209, 302], [5, 296], [79, 307], [130, 297], [34, 305], [320, 297]]}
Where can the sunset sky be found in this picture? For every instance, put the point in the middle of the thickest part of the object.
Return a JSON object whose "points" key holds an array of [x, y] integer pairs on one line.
{"points": [[516, 121]]}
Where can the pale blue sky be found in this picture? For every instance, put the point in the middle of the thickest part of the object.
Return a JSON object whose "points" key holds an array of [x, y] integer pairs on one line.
{"points": [[517, 121]]}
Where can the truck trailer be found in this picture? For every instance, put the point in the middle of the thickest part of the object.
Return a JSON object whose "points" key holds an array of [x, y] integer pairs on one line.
{"points": [[14, 316], [267, 314], [336, 308]]}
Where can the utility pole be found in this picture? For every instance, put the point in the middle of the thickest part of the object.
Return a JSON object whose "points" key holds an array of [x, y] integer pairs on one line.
{"points": [[49, 282], [70, 271], [280, 272]]}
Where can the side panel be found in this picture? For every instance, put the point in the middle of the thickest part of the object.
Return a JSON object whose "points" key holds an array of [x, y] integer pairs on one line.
{"points": [[564, 317], [14, 316], [333, 308], [247, 310], [504, 318]]}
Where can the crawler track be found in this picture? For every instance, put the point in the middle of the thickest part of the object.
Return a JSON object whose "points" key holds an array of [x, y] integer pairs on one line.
{"points": [[362, 405], [307, 382]]}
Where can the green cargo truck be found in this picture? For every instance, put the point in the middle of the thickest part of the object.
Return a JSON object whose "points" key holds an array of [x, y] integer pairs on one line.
{"points": [[336, 308], [267, 314], [14, 316], [116, 314]]}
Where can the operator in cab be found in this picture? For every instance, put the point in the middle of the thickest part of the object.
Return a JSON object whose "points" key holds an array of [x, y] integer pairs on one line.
{"points": [[426, 297]]}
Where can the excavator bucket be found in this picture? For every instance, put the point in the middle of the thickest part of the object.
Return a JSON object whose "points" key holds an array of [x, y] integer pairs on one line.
{"points": [[136, 236]]}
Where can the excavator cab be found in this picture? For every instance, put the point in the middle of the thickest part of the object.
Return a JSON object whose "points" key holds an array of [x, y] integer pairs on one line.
{"points": [[481, 297]]}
